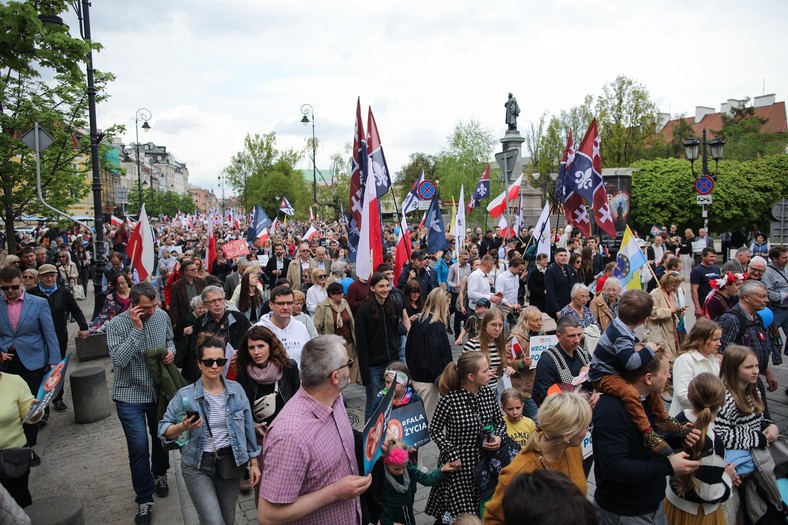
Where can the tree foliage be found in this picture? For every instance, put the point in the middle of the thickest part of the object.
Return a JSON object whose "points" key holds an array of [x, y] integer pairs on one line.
{"points": [[744, 135], [260, 173], [167, 203], [411, 171], [663, 193], [627, 119], [58, 103]]}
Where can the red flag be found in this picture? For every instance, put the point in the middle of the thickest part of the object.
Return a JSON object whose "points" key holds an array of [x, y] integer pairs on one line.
{"points": [[517, 349], [370, 241], [498, 205], [115, 221], [589, 147], [140, 246], [210, 254], [404, 249]]}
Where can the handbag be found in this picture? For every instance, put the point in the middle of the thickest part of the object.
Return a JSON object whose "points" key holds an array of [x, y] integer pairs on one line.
{"points": [[491, 463], [266, 405], [224, 466], [14, 462], [79, 292]]}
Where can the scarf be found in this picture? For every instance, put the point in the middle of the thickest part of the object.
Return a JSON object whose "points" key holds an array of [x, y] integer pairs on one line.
{"points": [[47, 291], [338, 310], [396, 485], [265, 375]]}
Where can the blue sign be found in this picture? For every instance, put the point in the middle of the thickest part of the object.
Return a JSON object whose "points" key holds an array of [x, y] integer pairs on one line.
{"points": [[426, 190], [409, 425], [704, 185]]}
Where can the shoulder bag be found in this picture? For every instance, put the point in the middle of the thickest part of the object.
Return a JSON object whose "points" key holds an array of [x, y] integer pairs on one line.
{"points": [[224, 466], [14, 462]]}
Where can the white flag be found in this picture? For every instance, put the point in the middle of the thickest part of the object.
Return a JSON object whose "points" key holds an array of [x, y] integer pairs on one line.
{"points": [[459, 222], [542, 231]]}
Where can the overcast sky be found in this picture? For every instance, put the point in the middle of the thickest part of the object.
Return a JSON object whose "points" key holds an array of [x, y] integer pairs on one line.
{"points": [[211, 72]]}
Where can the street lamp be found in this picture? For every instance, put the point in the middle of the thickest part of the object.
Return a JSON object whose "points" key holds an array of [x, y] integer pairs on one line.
{"points": [[307, 109], [691, 150], [144, 115], [82, 10], [223, 183]]}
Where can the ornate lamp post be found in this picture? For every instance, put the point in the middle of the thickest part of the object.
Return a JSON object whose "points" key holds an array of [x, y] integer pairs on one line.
{"points": [[691, 149], [308, 111], [144, 115]]}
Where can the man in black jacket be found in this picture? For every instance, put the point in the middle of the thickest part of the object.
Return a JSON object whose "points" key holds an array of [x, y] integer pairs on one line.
{"points": [[276, 268], [61, 303], [230, 325], [558, 281], [630, 479], [418, 270]]}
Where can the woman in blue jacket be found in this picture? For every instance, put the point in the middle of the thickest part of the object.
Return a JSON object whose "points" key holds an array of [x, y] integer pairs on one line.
{"points": [[222, 430]]}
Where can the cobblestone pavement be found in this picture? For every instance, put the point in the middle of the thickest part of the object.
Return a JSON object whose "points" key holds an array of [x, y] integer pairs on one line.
{"points": [[90, 461]]}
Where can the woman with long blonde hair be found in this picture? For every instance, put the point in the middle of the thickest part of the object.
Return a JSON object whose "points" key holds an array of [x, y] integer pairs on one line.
{"points": [[563, 424], [528, 325], [427, 349]]}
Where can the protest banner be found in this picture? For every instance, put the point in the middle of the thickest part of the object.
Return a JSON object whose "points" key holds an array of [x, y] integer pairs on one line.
{"points": [[50, 387], [375, 431], [409, 424], [235, 249], [538, 344]]}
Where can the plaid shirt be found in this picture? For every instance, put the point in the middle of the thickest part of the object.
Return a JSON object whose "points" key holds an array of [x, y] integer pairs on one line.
{"points": [[133, 382], [755, 335], [309, 446]]}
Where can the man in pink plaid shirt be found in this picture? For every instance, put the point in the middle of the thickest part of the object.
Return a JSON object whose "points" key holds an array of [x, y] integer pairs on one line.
{"points": [[310, 474]]}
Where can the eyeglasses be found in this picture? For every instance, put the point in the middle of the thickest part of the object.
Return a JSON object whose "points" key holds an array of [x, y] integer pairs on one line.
{"points": [[210, 362], [62, 257], [323, 276], [11, 287], [214, 301], [283, 303], [348, 364], [28, 277]]}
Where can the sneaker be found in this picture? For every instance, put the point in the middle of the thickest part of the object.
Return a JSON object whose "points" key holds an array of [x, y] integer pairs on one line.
{"points": [[162, 489], [60, 406], [144, 513], [656, 444]]}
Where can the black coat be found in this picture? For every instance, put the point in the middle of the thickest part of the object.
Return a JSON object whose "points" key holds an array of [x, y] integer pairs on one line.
{"points": [[232, 327], [559, 288], [288, 385], [377, 339], [61, 303], [536, 289], [427, 350], [271, 266]]}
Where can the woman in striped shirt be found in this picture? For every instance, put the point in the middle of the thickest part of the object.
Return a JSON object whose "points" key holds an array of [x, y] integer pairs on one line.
{"points": [[695, 499], [488, 342]]}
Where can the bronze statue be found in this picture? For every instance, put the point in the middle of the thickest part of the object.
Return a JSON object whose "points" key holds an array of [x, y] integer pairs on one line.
{"points": [[512, 111]]}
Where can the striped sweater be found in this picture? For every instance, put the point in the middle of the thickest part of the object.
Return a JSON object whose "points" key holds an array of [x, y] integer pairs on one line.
{"points": [[737, 430], [714, 484]]}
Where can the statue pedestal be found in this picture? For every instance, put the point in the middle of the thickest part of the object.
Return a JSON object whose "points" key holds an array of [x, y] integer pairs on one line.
{"points": [[532, 198]]}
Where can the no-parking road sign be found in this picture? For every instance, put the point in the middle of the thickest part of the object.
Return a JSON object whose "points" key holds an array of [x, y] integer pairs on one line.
{"points": [[426, 190], [704, 185]]}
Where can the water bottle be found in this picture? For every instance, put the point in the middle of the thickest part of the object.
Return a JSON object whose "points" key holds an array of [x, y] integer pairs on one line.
{"points": [[187, 409]]}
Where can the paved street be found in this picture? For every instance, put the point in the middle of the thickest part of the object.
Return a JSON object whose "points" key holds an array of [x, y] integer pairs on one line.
{"points": [[90, 461]]}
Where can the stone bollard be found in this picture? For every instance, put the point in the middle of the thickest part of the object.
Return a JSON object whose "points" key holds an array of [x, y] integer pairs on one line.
{"points": [[61, 510], [89, 394]]}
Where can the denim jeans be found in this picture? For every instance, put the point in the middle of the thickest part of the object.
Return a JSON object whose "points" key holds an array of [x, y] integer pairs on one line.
{"points": [[376, 384], [144, 464], [213, 498], [530, 409]]}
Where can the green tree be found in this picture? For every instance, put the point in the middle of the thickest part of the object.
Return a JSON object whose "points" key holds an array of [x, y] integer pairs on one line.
{"points": [[744, 135], [577, 118], [663, 192], [58, 103], [260, 172], [627, 118]]}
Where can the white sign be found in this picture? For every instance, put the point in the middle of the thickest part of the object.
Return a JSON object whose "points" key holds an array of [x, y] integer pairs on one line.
{"points": [[588, 448], [703, 199], [424, 205], [537, 345]]}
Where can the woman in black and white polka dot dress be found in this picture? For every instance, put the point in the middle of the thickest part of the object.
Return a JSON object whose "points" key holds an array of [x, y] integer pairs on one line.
{"points": [[467, 406]]}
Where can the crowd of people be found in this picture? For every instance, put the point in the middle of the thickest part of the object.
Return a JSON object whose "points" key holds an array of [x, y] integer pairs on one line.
{"points": [[241, 363]]}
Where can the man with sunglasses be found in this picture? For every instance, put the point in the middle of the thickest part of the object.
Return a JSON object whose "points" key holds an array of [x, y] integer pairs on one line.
{"points": [[28, 343], [309, 461], [129, 335]]}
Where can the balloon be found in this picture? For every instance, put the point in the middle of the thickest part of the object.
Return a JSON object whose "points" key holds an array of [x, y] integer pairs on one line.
{"points": [[767, 315], [397, 229]]}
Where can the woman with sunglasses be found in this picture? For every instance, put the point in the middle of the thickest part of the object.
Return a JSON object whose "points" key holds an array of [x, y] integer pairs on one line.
{"points": [[317, 293], [268, 376], [29, 279], [67, 270], [218, 416]]}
